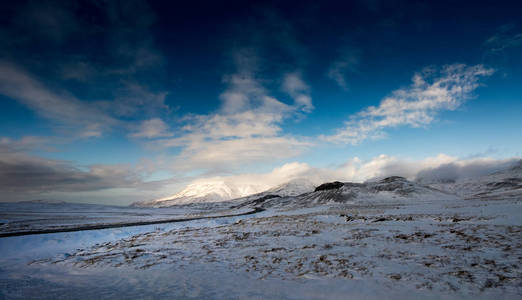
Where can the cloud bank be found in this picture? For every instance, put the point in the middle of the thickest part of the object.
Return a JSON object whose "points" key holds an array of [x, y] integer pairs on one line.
{"points": [[23, 175], [27, 177], [438, 168]]}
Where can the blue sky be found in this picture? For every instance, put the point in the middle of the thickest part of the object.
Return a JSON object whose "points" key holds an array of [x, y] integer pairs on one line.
{"points": [[114, 102]]}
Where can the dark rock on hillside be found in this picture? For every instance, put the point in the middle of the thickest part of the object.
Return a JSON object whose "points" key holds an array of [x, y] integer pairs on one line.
{"points": [[392, 179], [508, 183], [329, 186]]}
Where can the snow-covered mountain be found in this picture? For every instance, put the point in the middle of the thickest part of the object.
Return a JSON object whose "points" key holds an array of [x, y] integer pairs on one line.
{"points": [[205, 191], [218, 191]]}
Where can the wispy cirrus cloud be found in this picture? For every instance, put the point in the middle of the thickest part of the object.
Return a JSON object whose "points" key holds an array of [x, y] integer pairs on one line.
{"points": [[80, 118], [417, 105], [503, 39], [345, 64], [62, 107]]}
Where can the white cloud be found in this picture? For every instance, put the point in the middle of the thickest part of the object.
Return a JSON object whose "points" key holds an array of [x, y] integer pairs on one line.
{"points": [[263, 181], [247, 127], [441, 166], [227, 141], [243, 92], [416, 105], [152, 128], [384, 165], [229, 154], [294, 85], [459, 169]]}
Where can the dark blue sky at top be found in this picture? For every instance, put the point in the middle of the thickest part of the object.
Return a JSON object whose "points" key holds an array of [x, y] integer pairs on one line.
{"points": [[126, 62], [196, 38], [392, 39]]}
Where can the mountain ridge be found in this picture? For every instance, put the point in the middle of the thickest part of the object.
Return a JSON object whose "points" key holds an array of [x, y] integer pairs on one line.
{"points": [[507, 183]]}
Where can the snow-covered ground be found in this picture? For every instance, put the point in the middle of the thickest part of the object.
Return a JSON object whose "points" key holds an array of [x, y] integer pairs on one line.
{"points": [[390, 238], [449, 249]]}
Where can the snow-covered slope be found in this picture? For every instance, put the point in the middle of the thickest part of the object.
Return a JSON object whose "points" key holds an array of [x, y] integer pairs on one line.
{"points": [[293, 187], [387, 189], [505, 184], [205, 191]]}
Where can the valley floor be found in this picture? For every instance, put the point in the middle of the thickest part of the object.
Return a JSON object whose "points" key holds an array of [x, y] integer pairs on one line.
{"points": [[392, 249]]}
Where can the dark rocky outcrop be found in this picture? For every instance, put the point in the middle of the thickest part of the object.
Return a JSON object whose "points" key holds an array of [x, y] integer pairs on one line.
{"points": [[329, 186], [392, 179]]}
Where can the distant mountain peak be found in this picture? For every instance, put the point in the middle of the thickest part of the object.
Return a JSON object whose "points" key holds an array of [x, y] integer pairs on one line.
{"points": [[206, 191], [222, 190]]}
